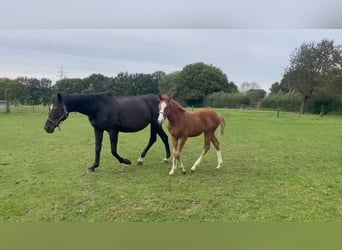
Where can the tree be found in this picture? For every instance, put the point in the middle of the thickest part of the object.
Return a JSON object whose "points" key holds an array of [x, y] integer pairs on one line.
{"points": [[33, 90], [198, 80], [135, 84], [310, 66], [4, 83], [140, 84], [245, 86], [120, 83], [255, 95], [45, 90], [168, 83], [277, 87], [96, 83], [69, 86]]}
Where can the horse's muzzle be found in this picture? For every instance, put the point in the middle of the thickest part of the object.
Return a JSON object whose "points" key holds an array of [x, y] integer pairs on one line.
{"points": [[49, 128]]}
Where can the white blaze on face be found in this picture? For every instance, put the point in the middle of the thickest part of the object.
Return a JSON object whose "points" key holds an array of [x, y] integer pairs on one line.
{"points": [[161, 116], [51, 107]]}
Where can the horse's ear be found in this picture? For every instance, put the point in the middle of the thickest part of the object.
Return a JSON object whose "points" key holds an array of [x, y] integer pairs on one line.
{"points": [[160, 97], [59, 97]]}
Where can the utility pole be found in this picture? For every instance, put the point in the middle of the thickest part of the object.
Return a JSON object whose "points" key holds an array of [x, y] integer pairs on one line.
{"points": [[61, 73]]}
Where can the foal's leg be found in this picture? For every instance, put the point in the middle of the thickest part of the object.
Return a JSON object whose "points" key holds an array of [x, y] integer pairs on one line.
{"points": [[177, 148], [174, 150], [98, 145], [181, 143], [218, 151], [153, 138], [113, 134], [207, 137]]}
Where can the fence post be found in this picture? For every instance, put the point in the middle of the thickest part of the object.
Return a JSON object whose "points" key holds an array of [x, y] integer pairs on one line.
{"points": [[322, 111], [7, 101]]}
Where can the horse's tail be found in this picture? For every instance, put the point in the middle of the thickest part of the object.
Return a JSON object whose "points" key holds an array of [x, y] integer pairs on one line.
{"points": [[222, 124]]}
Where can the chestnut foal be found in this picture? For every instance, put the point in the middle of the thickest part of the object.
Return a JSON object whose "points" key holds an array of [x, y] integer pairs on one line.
{"points": [[183, 124]]}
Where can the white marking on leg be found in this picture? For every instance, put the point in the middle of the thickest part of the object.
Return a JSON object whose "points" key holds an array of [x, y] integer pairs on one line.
{"points": [[165, 160], [219, 159], [140, 161], [182, 167], [197, 162], [174, 166]]}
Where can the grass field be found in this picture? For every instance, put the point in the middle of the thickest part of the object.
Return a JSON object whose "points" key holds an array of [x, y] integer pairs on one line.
{"points": [[275, 169]]}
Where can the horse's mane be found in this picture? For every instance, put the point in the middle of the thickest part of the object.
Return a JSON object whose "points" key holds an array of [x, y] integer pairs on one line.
{"points": [[91, 96], [173, 101]]}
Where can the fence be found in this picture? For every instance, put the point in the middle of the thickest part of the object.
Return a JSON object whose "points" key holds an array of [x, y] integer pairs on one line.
{"points": [[18, 108]]}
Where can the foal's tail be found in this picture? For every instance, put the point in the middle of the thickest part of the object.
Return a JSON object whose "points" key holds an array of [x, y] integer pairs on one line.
{"points": [[222, 124]]}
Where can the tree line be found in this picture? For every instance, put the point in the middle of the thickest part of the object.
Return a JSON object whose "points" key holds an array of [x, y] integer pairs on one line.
{"points": [[191, 85], [312, 82]]}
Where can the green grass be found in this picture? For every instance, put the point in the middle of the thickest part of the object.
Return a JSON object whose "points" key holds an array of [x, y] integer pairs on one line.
{"points": [[275, 169]]}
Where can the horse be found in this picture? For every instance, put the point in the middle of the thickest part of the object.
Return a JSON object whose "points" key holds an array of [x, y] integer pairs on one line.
{"points": [[184, 124], [114, 114]]}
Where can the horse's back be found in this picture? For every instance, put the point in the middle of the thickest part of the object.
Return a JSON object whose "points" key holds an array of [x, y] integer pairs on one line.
{"points": [[209, 118], [148, 99], [135, 112]]}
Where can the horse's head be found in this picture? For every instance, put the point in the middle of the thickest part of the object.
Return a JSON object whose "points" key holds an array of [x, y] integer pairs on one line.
{"points": [[57, 114], [163, 107]]}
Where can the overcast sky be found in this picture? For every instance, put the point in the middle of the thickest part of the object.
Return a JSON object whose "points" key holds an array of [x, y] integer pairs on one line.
{"points": [[250, 43]]}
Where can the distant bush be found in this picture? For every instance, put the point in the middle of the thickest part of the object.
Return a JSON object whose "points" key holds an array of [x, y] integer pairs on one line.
{"points": [[284, 101], [316, 105], [226, 100], [255, 96]]}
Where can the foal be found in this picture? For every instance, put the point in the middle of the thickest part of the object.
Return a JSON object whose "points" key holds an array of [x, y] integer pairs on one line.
{"points": [[183, 124]]}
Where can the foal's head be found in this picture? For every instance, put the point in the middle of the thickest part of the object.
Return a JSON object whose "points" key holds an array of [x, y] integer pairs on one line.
{"points": [[57, 114], [164, 107]]}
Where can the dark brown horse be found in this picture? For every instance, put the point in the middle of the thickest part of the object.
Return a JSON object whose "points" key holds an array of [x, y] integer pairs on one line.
{"points": [[183, 124], [114, 114]]}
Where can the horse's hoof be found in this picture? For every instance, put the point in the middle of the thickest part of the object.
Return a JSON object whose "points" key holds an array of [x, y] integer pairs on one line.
{"points": [[91, 170], [165, 161], [184, 172], [140, 163], [126, 161], [192, 171]]}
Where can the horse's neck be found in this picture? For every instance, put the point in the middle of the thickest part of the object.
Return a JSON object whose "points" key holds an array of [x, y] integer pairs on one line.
{"points": [[79, 103], [177, 113]]}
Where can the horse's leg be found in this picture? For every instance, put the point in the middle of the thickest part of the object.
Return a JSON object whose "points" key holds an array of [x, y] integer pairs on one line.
{"points": [[216, 144], [174, 161], [113, 134], [98, 145], [207, 138], [174, 155], [153, 138], [177, 154], [165, 140]]}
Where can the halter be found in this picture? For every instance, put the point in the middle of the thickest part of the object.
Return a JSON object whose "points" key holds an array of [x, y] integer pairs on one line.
{"points": [[59, 120], [163, 113]]}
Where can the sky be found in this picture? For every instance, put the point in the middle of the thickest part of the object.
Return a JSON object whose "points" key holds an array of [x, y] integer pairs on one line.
{"points": [[249, 44]]}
